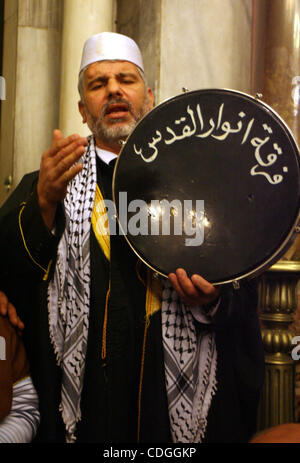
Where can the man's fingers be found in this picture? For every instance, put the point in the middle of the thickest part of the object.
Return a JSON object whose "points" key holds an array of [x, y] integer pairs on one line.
{"points": [[186, 284], [57, 135], [58, 143], [9, 310], [13, 317], [76, 145], [3, 304], [12, 314], [67, 158], [203, 285], [174, 282], [70, 174], [195, 290], [20, 324]]}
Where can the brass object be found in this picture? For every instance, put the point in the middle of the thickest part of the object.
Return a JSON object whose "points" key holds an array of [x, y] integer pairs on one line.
{"points": [[8, 183], [275, 74], [277, 304]]}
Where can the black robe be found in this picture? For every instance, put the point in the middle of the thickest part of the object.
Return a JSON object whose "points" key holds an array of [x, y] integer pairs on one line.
{"points": [[111, 387]]}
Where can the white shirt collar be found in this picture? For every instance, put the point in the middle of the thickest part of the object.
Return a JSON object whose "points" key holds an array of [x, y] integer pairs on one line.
{"points": [[105, 156]]}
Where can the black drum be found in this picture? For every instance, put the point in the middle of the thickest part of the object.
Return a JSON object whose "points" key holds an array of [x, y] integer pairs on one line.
{"points": [[209, 181]]}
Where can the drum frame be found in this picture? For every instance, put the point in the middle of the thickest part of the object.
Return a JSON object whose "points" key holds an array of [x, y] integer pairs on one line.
{"points": [[294, 229]]}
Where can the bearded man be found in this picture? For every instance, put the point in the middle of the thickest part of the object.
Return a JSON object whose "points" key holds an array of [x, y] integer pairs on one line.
{"points": [[117, 354]]}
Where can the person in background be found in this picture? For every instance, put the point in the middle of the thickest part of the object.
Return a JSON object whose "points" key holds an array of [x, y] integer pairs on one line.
{"points": [[287, 433], [19, 413]]}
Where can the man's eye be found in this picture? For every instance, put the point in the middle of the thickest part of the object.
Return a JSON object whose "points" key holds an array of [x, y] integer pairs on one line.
{"points": [[96, 85]]}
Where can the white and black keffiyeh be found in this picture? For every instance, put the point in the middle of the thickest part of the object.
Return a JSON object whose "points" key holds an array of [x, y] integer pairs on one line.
{"points": [[190, 360], [190, 367], [69, 290]]}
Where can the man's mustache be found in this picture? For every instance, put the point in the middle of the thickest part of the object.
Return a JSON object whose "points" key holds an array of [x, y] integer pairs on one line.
{"points": [[116, 101]]}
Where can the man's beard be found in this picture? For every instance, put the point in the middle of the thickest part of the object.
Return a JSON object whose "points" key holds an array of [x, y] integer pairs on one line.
{"points": [[113, 133]]}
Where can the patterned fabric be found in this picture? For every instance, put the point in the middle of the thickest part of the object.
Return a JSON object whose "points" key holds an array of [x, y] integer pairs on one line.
{"points": [[190, 360], [20, 426], [69, 290], [190, 367], [100, 223]]}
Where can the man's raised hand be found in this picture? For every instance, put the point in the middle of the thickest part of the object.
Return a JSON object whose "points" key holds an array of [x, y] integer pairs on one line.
{"points": [[58, 167]]}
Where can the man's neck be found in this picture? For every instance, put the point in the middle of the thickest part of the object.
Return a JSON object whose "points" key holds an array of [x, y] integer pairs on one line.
{"points": [[114, 148]]}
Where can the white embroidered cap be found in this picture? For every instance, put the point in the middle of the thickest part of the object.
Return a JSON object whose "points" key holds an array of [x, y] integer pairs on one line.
{"points": [[110, 46]]}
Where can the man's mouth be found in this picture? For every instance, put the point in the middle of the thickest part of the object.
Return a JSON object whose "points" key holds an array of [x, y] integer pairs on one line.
{"points": [[117, 110]]}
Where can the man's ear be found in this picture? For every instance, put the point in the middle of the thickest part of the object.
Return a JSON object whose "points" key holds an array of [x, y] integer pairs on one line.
{"points": [[150, 98], [82, 111]]}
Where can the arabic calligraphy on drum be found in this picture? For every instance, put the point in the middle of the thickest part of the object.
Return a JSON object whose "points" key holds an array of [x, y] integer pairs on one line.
{"points": [[192, 124]]}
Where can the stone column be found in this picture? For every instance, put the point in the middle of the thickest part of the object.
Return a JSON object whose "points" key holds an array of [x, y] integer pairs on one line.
{"points": [[190, 43], [276, 75], [31, 63], [82, 18], [37, 83], [278, 302], [141, 21], [7, 105], [276, 54], [275, 72], [205, 44]]}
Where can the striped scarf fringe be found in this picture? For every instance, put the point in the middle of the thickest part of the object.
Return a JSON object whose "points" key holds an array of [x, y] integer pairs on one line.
{"points": [[69, 290], [190, 367]]}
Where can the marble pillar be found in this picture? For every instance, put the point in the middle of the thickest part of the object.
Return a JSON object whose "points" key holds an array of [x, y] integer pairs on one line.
{"points": [[276, 66], [7, 105], [43, 41], [31, 64], [190, 43], [141, 20], [205, 44], [82, 18]]}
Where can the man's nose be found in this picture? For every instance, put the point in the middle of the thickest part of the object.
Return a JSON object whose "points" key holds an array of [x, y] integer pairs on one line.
{"points": [[113, 87]]}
